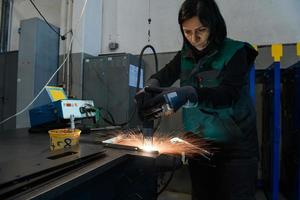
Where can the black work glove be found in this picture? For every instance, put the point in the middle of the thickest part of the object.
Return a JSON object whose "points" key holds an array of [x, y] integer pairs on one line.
{"points": [[175, 97], [142, 96]]}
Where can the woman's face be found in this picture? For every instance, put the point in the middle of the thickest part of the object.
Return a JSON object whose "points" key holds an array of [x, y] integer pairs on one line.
{"points": [[195, 33]]}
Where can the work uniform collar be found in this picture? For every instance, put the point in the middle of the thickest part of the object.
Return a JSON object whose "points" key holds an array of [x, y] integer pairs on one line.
{"points": [[191, 52]]}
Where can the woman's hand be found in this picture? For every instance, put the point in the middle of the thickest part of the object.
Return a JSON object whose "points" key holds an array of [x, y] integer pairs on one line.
{"points": [[151, 99]]}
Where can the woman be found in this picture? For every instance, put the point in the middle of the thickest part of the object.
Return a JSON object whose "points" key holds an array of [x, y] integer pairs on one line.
{"points": [[213, 72]]}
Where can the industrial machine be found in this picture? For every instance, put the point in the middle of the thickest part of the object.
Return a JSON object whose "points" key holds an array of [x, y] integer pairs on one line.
{"points": [[59, 111], [110, 80], [37, 61]]}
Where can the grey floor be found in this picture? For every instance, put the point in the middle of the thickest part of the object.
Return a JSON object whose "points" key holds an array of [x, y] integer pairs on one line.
{"points": [[180, 187], [169, 195]]}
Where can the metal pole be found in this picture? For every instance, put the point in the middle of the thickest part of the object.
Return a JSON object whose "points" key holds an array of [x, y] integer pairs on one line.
{"points": [[276, 132], [4, 24]]}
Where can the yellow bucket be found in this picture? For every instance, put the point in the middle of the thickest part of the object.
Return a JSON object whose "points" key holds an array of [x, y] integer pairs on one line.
{"points": [[63, 138]]}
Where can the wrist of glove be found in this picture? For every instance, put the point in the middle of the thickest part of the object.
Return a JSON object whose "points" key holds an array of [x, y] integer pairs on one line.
{"points": [[174, 97], [142, 96], [181, 96]]}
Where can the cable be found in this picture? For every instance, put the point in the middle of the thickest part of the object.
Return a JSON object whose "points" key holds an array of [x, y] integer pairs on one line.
{"points": [[139, 74], [63, 37], [111, 121], [137, 89], [40, 92], [170, 178], [140, 63]]}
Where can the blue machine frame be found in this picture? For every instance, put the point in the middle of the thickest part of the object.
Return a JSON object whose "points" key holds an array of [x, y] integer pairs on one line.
{"points": [[276, 132], [298, 125], [252, 83], [271, 139], [290, 160]]}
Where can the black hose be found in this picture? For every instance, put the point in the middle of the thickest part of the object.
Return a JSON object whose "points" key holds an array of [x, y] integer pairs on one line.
{"points": [[169, 179], [63, 37], [112, 122], [139, 74], [140, 63]]}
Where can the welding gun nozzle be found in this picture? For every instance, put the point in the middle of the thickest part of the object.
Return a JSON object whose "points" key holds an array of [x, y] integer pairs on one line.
{"points": [[148, 141]]}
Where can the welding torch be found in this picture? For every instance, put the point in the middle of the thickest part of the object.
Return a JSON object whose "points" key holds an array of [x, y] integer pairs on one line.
{"points": [[156, 102]]}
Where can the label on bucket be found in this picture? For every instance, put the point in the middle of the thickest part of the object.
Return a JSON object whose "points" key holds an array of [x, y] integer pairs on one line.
{"points": [[63, 138]]}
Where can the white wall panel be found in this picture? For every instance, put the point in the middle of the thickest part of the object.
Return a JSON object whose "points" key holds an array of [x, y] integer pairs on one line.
{"points": [[125, 22], [257, 21], [262, 21]]}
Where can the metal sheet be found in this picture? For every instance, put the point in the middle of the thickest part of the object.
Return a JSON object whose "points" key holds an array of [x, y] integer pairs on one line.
{"points": [[25, 157], [30, 153], [8, 88]]}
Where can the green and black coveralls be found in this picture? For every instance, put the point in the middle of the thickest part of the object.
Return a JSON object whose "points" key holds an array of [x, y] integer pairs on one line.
{"points": [[225, 115]]}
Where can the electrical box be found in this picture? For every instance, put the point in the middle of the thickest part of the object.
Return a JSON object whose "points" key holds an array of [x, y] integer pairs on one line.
{"points": [[110, 81], [61, 110], [8, 88], [37, 61]]}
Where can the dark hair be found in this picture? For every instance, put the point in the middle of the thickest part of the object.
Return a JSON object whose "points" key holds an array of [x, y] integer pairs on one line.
{"points": [[209, 15]]}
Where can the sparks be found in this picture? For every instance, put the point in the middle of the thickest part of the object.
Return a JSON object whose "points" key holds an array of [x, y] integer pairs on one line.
{"points": [[149, 148], [164, 143]]}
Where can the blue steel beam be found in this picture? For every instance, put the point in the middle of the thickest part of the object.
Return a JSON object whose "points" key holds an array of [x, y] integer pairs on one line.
{"points": [[252, 83], [276, 132]]}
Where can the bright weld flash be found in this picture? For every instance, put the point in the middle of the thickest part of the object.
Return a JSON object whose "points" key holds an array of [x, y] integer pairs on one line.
{"points": [[148, 145], [149, 148], [163, 143]]}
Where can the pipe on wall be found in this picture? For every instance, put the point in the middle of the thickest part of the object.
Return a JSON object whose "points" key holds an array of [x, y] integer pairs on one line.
{"points": [[6, 10]]}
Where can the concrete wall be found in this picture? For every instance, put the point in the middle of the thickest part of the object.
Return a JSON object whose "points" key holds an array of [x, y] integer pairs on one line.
{"points": [[125, 22], [87, 31], [256, 21], [22, 9], [262, 21]]}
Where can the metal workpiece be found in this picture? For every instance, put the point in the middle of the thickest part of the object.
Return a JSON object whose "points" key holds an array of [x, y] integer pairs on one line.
{"points": [[29, 170], [26, 161]]}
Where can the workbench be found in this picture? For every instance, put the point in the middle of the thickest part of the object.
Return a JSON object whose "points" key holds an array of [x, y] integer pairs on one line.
{"points": [[29, 170]]}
